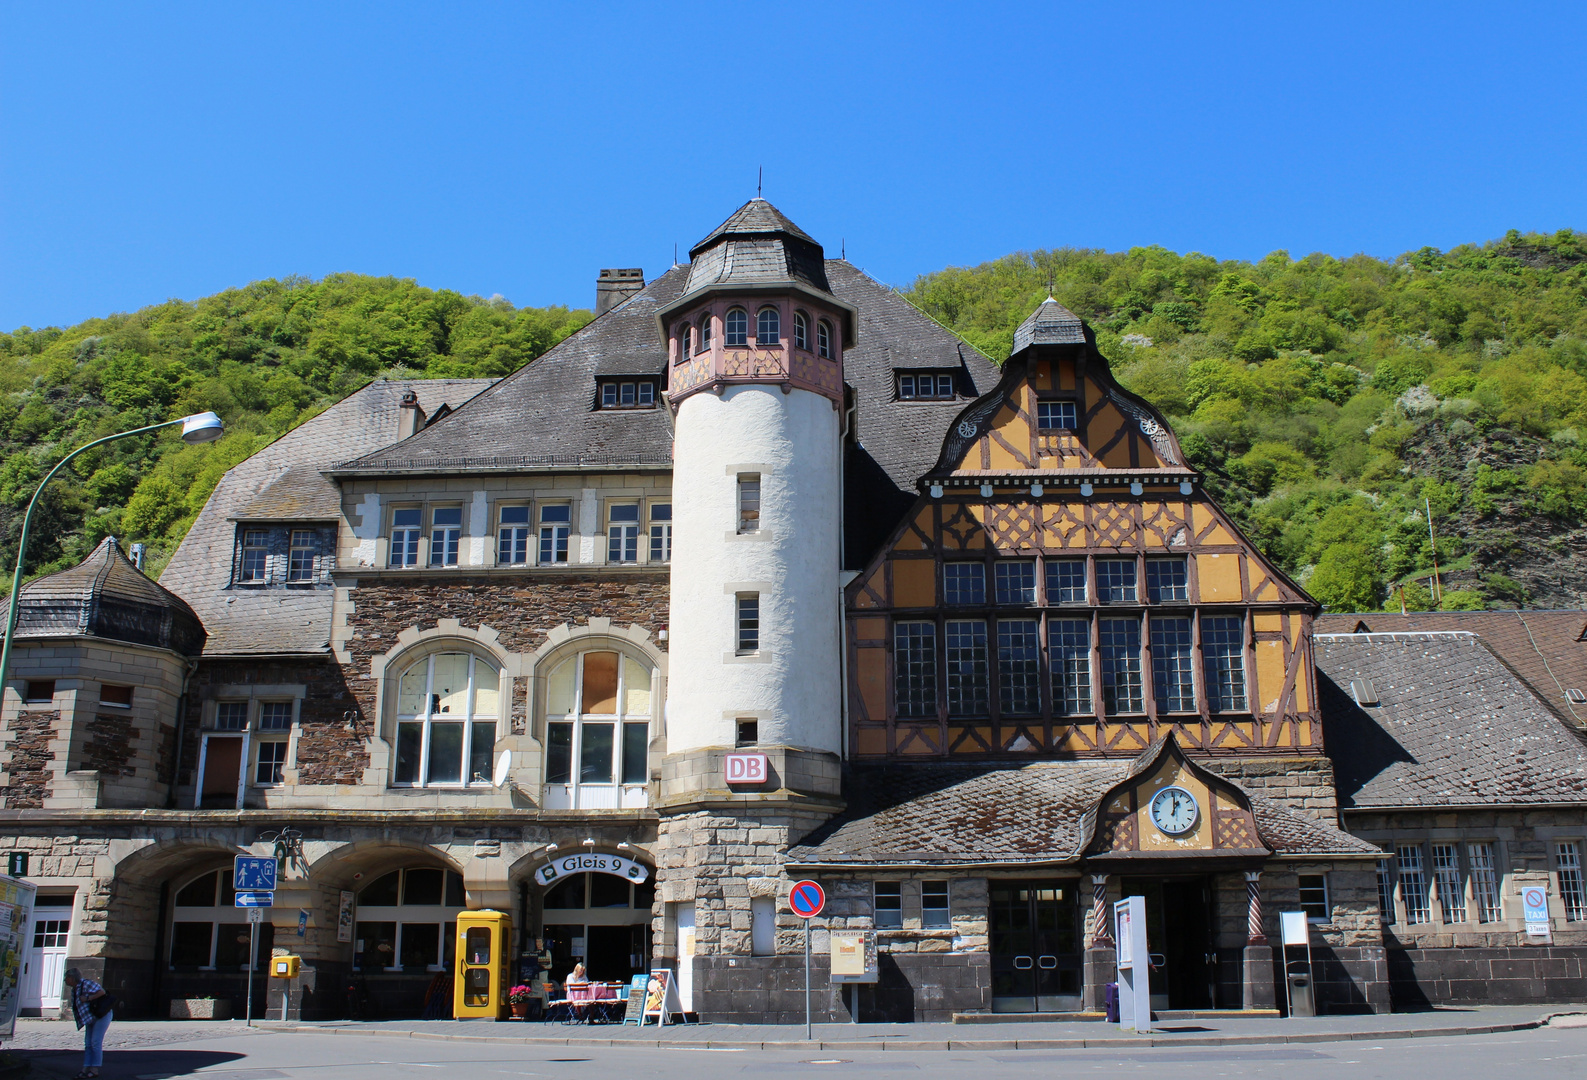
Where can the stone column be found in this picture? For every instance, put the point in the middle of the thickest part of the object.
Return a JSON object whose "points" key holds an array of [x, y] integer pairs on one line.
{"points": [[1100, 963], [1257, 984]]}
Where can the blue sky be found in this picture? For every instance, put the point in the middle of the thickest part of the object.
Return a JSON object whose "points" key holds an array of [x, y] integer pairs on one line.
{"points": [[150, 151]]}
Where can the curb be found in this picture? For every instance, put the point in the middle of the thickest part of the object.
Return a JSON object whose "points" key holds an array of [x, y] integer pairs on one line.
{"points": [[897, 1044]]}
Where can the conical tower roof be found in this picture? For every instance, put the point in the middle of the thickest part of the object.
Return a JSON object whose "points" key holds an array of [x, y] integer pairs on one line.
{"points": [[757, 247], [1050, 324], [755, 218], [106, 596]]}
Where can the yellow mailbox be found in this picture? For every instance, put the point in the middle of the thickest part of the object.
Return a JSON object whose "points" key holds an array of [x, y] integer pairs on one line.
{"points": [[284, 967], [481, 985]]}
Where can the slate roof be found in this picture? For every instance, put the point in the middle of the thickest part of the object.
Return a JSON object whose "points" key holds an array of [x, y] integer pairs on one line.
{"points": [[281, 478], [1050, 324], [953, 814], [542, 416], [1454, 727], [106, 596], [756, 217], [1546, 648], [302, 493]]}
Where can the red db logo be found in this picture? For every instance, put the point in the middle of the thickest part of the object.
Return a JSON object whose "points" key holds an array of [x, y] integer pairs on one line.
{"points": [[746, 768]]}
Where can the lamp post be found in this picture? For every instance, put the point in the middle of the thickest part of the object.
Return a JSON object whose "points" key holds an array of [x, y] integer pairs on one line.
{"points": [[199, 428]]}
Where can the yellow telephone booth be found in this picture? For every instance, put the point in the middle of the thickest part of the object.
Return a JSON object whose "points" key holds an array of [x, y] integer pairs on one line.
{"points": [[481, 984]]}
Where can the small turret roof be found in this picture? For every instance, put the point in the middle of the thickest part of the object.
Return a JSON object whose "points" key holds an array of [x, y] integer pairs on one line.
{"points": [[106, 596], [755, 218], [1050, 324], [758, 247]]}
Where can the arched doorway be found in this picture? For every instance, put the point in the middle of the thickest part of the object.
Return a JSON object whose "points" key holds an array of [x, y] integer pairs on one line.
{"points": [[601, 920]]}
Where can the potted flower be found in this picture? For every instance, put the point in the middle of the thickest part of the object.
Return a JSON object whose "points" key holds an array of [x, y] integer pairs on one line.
{"points": [[519, 998]]}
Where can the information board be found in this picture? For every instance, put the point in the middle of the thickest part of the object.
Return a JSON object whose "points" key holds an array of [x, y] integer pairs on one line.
{"points": [[16, 918], [1134, 964], [854, 956], [635, 1014]]}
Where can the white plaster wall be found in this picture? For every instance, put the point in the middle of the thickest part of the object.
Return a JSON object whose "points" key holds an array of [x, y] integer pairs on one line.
{"points": [[478, 527], [793, 684], [367, 529]]}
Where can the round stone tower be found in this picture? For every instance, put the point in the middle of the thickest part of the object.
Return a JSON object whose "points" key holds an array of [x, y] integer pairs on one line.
{"points": [[755, 357]]}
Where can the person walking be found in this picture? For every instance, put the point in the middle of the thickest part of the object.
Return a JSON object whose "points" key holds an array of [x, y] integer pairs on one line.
{"points": [[92, 1008]]}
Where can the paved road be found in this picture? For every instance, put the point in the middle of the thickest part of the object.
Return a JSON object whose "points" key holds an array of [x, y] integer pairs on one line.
{"points": [[232, 1055]]}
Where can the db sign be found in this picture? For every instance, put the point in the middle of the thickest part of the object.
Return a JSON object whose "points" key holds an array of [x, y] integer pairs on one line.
{"points": [[746, 769]]}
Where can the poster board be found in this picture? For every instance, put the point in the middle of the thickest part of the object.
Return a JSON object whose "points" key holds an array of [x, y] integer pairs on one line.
{"points": [[344, 916], [16, 920], [661, 997], [1293, 928], [635, 1013], [853, 957], [1134, 964]]}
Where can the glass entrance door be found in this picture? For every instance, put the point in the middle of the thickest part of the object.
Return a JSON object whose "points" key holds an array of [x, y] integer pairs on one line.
{"points": [[1179, 935], [1036, 956]]}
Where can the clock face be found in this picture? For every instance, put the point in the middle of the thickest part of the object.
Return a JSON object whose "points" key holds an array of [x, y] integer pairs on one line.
{"points": [[1174, 811]]}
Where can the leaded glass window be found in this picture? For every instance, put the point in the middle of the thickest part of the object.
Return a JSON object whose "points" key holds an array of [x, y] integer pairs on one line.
{"points": [[1016, 581], [1116, 581], [1119, 642], [1069, 642], [966, 665], [1173, 686], [1166, 581], [1066, 581], [1223, 656], [964, 583], [915, 668], [1018, 667]]}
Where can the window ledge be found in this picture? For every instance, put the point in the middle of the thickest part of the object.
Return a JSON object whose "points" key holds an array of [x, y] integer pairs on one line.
{"points": [[761, 657]]}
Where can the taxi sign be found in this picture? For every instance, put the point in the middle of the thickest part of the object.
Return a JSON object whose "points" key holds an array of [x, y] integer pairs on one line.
{"points": [[807, 899]]}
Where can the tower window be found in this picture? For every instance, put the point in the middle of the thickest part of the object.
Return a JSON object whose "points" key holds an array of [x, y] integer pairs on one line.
{"points": [[918, 387], [748, 622], [749, 502], [735, 328], [685, 340], [801, 331], [768, 327], [748, 731], [824, 339], [705, 331], [1055, 416]]}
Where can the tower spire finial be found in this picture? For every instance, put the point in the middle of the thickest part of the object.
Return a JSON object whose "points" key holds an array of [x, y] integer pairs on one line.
{"points": [[760, 172]]}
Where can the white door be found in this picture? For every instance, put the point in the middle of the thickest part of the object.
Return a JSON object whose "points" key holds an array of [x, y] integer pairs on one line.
{"points": [[45, 965], [686, 956]]}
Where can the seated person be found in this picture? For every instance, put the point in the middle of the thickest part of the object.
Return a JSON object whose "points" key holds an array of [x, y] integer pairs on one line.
{"points": [[578, 977]]}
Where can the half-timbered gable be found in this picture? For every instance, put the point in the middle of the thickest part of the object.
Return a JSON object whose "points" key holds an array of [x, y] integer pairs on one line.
{"points": [[1065, 586]]}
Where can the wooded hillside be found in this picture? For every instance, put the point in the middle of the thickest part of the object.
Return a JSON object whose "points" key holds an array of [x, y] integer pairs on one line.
{"points": [[1332, 402]]}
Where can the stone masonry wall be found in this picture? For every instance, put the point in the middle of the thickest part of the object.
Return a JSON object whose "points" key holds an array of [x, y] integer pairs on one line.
{"points": [[109, 745], [330, 749], [1304, 784], [31, 755]]}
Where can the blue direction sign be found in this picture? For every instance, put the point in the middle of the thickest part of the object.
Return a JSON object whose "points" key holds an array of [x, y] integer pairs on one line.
{"points": [[253, 873], [807, 899], [255, 899]]}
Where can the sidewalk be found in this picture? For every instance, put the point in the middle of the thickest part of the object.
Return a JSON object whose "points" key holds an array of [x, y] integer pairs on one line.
{"points": [[1218, 1031]]}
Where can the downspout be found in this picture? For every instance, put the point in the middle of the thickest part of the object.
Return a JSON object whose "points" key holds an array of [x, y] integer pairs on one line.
{"points": [[181, 726]]}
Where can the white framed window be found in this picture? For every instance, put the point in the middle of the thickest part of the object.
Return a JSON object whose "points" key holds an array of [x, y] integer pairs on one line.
{"points": [[1386, 891], [622, 532], [685, 339], [231, 716], [735, 327], [917, 386], [270, 758], [1015, 581], [628, 395], [405, 523], [1056, 416], [446, 535], [748, 502], [598, 716], [1567, 863], [1485, 881], [300, 557], [748, 622], [934, 908], [705, 331], [889, 899], [556, 523], [512, 536], [208, 931], [824, 340], [1066, 581], [447, 708], [801, 331], [1449, 882], [407, 921], [1413, 884], [1314, 897], [660, 532], [275, 715], [255, 568], [768, 327]]}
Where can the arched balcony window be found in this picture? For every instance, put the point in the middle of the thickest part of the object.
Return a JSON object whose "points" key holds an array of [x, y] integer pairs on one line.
{"points": [[768, 327], [705, 331], [735, 328], [801, 331], [824, 340], [446, 721], [685, 341], [598, 714]]}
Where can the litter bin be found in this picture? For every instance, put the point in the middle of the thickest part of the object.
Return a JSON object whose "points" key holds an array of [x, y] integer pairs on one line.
{"points": [[1302, 1001], [1110, 1001]]}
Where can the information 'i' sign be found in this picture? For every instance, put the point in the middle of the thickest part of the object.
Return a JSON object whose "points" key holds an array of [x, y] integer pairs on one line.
{"points": [[806, 899]]}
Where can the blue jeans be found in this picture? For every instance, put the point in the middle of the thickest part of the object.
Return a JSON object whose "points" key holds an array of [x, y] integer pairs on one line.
{"points": [[94, 1040]]}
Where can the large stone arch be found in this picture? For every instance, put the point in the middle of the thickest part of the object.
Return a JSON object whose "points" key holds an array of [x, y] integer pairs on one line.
{"points": [[132, 904]]}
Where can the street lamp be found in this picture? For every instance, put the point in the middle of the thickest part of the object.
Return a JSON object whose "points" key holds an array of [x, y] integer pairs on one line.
{"points": [[199, 428]]}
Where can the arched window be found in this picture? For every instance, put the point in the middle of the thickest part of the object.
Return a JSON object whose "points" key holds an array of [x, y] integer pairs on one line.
{"points": [[685, 341], [768, 327], [407, 921], [735, 328], [705, 331], [598, 713], [824, 339], [446, 721], [801, 331], [208, 931]]}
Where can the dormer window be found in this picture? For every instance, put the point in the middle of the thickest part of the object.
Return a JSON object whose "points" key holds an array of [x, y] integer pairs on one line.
{"points": [[255, 557], [705, 331], [735, 328], [824, 340], [768, 327], [922, 387], [628, 394], [801, 331]]}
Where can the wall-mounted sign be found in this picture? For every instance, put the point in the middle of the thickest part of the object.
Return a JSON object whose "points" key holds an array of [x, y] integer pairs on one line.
{"points": [[591, 863], [344, 917], [854, 956], [747, 769], [1534, 902]]}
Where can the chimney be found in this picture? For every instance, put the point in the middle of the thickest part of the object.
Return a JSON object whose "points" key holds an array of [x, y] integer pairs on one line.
{"points": [[615, 286], [411, 418]]}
